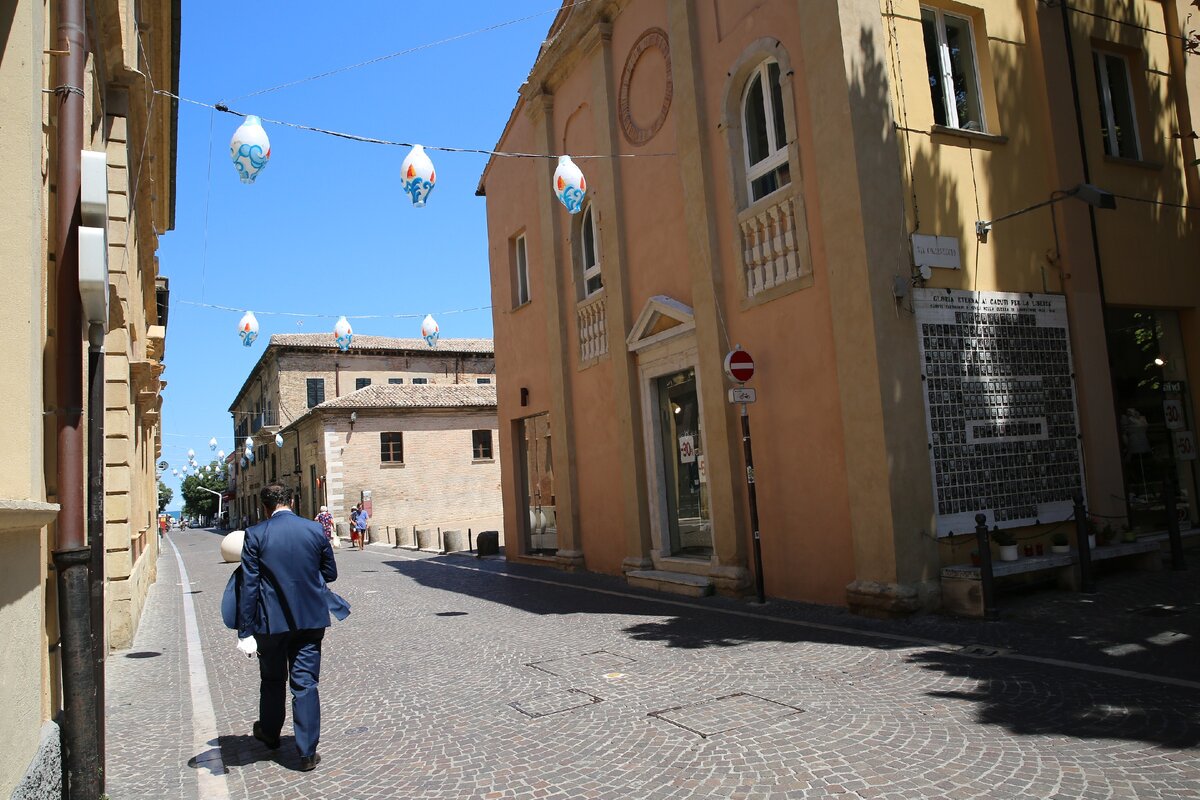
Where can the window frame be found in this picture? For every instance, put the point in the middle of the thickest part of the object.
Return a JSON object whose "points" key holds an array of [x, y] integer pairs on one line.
{"points": [[947, 74], [419, 381], [309, 385], [483, 381], [388, 447], [587, 222], [1104, 97], [395, 381], [778, 155], [521, 267], [361, 383], [477, 446]]}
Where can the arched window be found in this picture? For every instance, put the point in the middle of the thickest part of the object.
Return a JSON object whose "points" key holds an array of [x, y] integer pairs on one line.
{"points": [[764, 132], [588, 261]]}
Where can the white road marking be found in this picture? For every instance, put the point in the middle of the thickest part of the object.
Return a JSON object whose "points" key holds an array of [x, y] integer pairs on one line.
{"points": [[210, 768], [894, 637]]}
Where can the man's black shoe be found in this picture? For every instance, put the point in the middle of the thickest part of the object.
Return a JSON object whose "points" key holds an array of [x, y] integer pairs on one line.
{"points": [[309, 763], [262, 737]]}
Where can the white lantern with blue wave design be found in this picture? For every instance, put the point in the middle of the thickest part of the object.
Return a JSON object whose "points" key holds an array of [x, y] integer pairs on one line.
{"points": [[279, 440], [418, 175], [430, 330], [212, 443], [248, 328], [343, 334], [250, 149], [569, 185]]}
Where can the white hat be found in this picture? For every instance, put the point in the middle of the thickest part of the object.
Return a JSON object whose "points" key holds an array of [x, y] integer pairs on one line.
{"points": [[324, 508]]}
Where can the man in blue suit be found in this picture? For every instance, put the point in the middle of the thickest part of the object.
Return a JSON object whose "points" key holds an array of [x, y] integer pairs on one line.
{"points": [[283, 614]]}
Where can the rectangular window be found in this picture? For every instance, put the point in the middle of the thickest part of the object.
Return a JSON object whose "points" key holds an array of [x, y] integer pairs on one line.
{"points": [[953, 71], [316, 391], [521, 268], [361, 383], [483, 380], [395, 381], [1118, 122], [481, 445], [420, 380], [391, 448]]}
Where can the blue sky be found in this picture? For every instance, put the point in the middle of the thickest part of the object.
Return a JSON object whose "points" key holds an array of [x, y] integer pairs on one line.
{"points": [[327, 228]]}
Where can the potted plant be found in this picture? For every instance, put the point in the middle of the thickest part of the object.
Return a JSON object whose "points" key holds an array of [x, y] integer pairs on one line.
{"points": [[1007, 544], [1058, 543]]}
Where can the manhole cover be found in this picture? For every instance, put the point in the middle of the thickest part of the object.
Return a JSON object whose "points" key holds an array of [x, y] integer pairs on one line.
{"points": [[981, 651], [555, 703], [726, 714], [143, 654], [599, 661]]}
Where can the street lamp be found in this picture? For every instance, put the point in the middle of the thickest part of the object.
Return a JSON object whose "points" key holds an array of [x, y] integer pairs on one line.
{"points": [[1093, 196], [219, 499]]}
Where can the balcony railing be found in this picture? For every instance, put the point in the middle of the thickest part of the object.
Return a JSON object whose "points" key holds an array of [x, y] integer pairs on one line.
{"points": [[264, 419], [593, 328], [774, 252]]}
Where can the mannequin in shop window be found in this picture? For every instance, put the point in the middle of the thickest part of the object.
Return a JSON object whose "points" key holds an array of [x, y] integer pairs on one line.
{"points": [[1135, 436]]}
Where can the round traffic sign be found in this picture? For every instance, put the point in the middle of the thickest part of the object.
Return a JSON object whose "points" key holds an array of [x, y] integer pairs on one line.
{"points": [[739, 366]]}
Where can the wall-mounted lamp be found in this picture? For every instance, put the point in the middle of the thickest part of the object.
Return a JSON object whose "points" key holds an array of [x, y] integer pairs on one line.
{"points": [[1160, 362], [1092, 195], [353, 418]]}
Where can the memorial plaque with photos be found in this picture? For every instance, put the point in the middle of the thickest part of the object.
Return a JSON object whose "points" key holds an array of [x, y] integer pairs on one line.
{"points": [[999, 407]]}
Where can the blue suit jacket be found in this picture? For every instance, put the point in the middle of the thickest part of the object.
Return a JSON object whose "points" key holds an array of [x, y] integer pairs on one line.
{"points": [[286, 562]]}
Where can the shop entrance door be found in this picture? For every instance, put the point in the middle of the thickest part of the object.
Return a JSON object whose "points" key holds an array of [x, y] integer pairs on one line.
{"points": [[683, 478]]}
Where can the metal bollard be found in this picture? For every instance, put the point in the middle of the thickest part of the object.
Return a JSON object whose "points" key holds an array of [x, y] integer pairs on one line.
{"points": [[985, 567], [1169, 501], [1087, 584]]}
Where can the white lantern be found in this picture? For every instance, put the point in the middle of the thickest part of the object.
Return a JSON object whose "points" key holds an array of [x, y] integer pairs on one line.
{"points": [[191, 455], [221, 454], [250, 149], [343, 333], [175, 472], [569, 185], [248, 328], [279, 440], [418, 175], [430, 330], [212, 443]]}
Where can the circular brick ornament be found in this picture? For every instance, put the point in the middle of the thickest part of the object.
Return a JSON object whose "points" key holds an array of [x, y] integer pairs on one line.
{"points": [[635, 134]]}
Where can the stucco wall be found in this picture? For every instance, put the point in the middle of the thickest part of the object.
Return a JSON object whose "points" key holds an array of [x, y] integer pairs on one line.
{"points": [[22, 552]]}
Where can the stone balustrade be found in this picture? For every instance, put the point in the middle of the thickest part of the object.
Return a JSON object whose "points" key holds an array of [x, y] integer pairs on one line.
{"points": [[774, 250], [593, 327]]}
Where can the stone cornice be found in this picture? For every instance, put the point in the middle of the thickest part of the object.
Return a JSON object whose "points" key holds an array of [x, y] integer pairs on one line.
{"points": [[25, 514]]}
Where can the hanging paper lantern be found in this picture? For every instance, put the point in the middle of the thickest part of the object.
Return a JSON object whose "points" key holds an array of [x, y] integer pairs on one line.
{"points": [[343, 333], [430, 330], [212, 443], [245, 462], [569, 185], [221, 454], [191, 455], [248, 328], [250, 149], [279, 440], [418, 175], [175, 472]]}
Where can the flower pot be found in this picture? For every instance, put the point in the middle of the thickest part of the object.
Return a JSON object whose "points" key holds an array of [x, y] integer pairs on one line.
{"points": [[1061, 549], [1009, 552]]}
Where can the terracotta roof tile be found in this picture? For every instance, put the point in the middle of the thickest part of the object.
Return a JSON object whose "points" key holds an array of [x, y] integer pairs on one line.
{"points": [[388, 395], [325, 341]]}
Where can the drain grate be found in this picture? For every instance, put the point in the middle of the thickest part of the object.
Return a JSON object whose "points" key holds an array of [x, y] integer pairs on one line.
{"points": [[555, 703], [726, 713], [600, 661], [981, 651]]}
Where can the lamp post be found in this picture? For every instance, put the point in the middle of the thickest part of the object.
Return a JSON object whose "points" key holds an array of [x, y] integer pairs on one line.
{"points": [[219, 499], [1093, 196]]}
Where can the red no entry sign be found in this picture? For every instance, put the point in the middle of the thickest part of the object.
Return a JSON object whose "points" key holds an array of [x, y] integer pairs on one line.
{"points": [[739, 366]]}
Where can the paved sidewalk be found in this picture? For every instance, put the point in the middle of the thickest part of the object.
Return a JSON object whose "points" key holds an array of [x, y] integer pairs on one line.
{"points": [[461, 678]]}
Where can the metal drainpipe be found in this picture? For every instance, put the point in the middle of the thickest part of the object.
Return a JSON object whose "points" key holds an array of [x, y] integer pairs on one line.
{"points": [[72, 555], [95, 523]]}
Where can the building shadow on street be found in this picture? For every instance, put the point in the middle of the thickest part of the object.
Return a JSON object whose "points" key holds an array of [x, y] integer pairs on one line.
{"points": [[1023, 698]]}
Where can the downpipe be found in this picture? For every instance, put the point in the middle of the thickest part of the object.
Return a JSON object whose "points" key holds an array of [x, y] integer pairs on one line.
{"points": [[95, 525]]}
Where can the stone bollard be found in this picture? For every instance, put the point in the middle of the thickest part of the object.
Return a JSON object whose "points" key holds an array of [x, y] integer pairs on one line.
{"points": [[427, 539], [455, 541], [487, 544]]}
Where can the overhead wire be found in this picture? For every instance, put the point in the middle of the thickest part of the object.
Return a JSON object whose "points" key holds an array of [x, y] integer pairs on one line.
{"points": [[328, 316]]}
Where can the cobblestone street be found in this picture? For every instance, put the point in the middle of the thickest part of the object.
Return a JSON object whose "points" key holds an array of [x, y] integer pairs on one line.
{"points": [[460, 678]]}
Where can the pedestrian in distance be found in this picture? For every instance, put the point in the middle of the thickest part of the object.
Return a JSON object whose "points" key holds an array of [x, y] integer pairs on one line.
{"points": [[360, 523], [283, 613], [325, 519], [354, 512]]}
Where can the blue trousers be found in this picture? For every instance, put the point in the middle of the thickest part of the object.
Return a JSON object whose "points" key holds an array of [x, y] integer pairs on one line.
{"points": [[295, 658]]}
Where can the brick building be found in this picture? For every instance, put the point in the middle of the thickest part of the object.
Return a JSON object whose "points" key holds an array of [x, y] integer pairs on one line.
{"points": [[413, 426]]}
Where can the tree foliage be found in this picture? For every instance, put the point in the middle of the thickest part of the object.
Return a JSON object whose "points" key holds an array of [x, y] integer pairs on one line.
{"points": [[164, 496], [196, 501]]}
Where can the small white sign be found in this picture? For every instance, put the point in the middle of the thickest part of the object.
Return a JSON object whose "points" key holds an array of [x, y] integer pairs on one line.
{"points": [[1173, 413], [687, 449], [935, 251], [702, 468], [742, 395], [1185, 445]]}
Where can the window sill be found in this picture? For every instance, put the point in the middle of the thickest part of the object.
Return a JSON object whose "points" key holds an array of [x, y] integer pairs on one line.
{"points": [[1153, 166], [483, 461], [391, 464], [519, 306], [962, 133]]}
